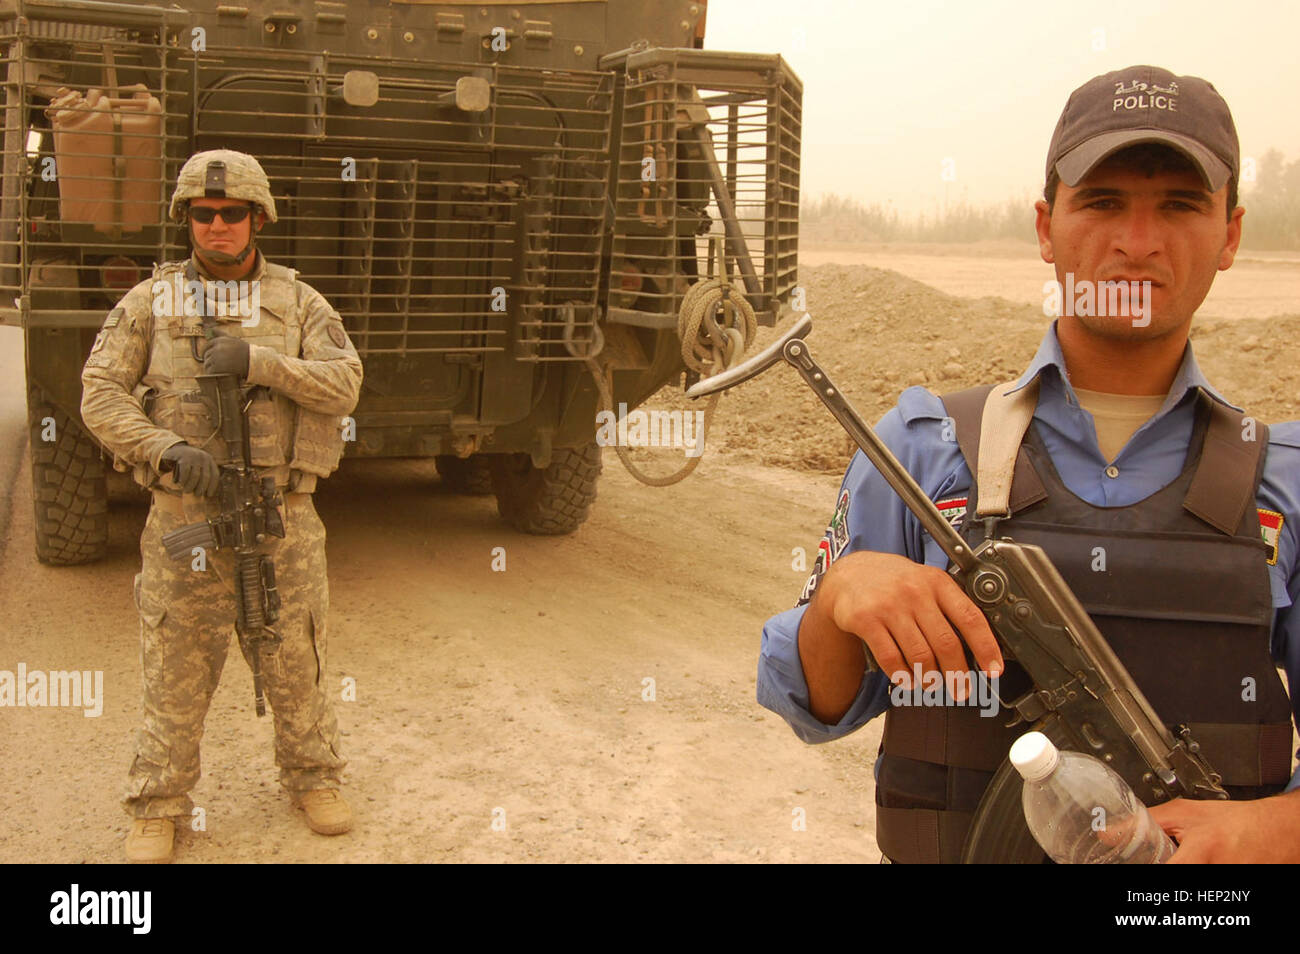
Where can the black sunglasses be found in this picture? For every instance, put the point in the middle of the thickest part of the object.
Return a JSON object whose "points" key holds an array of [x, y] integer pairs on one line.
{"points": [[230, 214]]}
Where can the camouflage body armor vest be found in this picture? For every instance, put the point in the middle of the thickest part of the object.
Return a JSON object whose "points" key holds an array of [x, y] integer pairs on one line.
{"points": [[1184, 600], [287, 441]]}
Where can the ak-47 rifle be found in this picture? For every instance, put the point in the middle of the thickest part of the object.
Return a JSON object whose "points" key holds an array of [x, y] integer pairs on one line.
{"points": [[1082, 698], [249, 514]]}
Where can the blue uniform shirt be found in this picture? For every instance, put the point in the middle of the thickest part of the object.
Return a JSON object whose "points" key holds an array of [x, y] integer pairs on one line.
{"points": [[872, 517]]}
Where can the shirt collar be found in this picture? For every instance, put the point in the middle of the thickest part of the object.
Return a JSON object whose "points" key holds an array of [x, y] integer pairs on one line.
{"points": [[1049, 356]]}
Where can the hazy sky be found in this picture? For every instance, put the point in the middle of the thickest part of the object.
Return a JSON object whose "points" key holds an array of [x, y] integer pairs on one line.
{"points": [[893, 89]]}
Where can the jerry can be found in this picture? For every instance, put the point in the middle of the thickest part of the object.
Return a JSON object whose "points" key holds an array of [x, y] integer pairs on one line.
{"points": [[108, 157]]}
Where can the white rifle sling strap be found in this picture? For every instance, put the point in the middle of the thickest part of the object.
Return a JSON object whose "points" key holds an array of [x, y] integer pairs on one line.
{"points": [[1007, 413]]}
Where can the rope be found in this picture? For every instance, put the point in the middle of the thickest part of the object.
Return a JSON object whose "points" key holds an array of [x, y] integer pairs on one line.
{"points": [[710, 352], [709, 345]]}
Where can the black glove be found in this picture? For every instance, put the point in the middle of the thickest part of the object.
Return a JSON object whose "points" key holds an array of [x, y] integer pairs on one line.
{"points": [[194, 469], [225, 355]]}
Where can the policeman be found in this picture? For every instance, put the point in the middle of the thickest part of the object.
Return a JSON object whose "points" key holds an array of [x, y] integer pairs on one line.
{"points": [[224, 311], [1131, 455]]}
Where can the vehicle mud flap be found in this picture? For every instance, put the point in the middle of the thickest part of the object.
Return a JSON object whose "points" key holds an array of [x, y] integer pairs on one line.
{"points": [[998, 834]]}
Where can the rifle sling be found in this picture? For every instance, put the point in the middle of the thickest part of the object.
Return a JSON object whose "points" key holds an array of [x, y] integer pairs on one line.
{"points": [[1219, 495], [967, 409]]}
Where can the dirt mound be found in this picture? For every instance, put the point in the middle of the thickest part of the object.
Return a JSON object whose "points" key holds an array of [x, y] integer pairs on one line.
{"points": [[878, 332]]}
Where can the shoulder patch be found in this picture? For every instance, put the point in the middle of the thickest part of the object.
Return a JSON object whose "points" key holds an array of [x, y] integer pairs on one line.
{"points": [[832, 544], [337, 334], [820, 566], [114, 317], [1270, 531], [838, 532]]}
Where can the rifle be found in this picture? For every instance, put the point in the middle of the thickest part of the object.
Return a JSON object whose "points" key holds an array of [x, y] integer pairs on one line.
{"points": [[1083, 697], [249, 513]]}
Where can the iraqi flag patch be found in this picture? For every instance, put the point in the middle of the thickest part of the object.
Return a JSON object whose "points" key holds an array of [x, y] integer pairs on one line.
{"points": [[953, 509], [1270, 529]]}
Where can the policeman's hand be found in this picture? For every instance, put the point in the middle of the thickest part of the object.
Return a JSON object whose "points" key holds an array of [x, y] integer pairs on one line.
{"points": [[1262, 831], [226, 355], [909, 615], [194, 469]]}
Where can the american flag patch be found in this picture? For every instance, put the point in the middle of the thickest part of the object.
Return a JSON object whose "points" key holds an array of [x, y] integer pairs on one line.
{"points": [[1270, 529]]}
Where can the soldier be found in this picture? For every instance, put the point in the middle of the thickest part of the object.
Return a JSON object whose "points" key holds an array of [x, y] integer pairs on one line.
{"points": [[140, 400], [1131, 454]]}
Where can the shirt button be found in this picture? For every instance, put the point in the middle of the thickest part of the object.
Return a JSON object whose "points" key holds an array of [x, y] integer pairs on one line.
{"points": [[1112, 471]]}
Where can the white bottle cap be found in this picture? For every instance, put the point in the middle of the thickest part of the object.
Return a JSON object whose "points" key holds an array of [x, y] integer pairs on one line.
{"points": [[1034, 756]]}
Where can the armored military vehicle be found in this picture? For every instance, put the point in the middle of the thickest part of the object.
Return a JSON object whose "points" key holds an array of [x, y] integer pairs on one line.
{"points": [[511, 205]]}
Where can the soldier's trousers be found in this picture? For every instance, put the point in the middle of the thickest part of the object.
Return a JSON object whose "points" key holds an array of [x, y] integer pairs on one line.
{"points": [[187, 619]]}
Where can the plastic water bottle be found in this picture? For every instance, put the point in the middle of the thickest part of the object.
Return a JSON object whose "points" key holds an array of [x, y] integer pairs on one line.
{"points": [[1081, 812]]}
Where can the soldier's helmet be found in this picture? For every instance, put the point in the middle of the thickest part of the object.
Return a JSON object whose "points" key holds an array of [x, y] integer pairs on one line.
{"points": [[222, 174]]}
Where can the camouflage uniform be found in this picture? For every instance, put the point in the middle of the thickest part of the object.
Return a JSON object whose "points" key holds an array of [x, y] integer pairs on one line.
{"points": [[139, 399]]}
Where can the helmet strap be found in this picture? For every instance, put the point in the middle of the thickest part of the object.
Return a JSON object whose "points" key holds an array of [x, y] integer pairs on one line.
{"points": [[225, 258]]}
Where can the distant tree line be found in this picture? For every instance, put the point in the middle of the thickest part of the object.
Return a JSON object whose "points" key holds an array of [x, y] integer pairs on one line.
{"points": [[1272, 204], [835, 218]]}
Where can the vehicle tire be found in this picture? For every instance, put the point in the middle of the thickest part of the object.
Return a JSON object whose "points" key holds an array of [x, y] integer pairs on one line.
{"points": [[465, 475], [547, 500], [69, 487]]}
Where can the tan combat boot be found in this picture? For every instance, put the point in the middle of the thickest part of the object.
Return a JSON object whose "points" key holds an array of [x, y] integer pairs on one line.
{"points": [[327, 812], [150, 840]]}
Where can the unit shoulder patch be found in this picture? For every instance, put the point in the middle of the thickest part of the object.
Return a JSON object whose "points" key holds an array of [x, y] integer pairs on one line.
{"points": [[832, 544], [838, 531], [1270, 531], [337, 335]]}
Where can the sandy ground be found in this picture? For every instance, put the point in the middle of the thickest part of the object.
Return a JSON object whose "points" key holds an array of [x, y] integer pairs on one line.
{"points": [[477, 691], [521, 695], [1259, 284]]}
